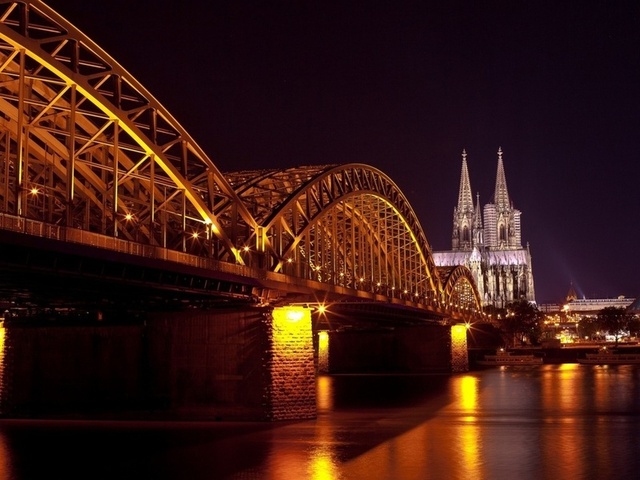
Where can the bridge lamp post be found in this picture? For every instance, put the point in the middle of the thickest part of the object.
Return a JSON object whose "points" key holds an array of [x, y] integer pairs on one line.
{"points": [[246, 251]]}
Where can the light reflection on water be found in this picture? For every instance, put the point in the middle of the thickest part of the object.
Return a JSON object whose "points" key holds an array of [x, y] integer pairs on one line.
{"points": [[548, 422]]}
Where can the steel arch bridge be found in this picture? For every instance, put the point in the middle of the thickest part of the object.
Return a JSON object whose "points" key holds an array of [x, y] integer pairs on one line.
{"points": [[85, 147]]}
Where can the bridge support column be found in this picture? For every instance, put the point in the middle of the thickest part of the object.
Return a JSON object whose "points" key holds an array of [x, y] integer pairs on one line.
{"points": [[323, 351], [459, 353], [291, 388]]}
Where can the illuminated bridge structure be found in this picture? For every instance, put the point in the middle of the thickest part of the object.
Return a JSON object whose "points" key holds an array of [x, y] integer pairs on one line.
{"points": [[90, 159], [89, 156]]}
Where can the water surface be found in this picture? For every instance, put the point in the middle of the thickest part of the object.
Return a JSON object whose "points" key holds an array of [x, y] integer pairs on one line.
{"points": [[546, 422]]}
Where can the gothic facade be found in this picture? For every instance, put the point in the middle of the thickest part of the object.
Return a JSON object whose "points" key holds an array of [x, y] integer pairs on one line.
{"points": [[489, 242]]}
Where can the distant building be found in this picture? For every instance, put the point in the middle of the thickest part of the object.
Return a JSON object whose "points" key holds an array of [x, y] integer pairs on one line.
{"points": [[591, 306], [489, 243]]}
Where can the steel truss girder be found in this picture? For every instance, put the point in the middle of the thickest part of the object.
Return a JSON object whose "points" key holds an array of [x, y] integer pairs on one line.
{"points": [[83, 144], [305, 213]]}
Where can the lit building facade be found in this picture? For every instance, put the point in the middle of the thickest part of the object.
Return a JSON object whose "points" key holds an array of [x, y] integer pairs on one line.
{"points": [[489, 242]]}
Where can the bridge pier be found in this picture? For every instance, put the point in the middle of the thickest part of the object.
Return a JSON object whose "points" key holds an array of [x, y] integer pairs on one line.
{"points": [[406, 349], [225, 364]]}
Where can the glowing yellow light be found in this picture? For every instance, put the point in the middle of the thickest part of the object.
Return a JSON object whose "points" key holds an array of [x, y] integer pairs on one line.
{"points": [[128, 216], [34, 191], [292, 345], [459, 329], [469, 393], [294, 315], [323, 351], [245, 249], [194, 234], [459, 354], [289, 260], [322, 309]]}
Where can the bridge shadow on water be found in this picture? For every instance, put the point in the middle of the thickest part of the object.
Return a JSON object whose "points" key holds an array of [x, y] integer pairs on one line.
{"points": [[356, 413]]}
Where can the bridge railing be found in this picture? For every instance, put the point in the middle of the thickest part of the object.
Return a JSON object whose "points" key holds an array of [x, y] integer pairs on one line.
{"points": [[68, 234], [36, 228]]}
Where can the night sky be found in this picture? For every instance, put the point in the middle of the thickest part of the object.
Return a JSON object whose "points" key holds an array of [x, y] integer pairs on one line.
{"points": [[405, 86]]}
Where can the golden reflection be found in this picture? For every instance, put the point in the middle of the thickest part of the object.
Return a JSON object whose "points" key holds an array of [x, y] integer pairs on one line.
{"points": [[469, 432], [451, 443], [2, 360], [324, 394], [5, 456], [468, 393], [560, 392], [603, 387], [323, 464], [317, 462]]}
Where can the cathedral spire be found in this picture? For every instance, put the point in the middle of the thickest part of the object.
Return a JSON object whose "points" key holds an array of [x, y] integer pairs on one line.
{"points": [[478, 213], [478, 232], [501, 195], [463, 213], [465, 200]]}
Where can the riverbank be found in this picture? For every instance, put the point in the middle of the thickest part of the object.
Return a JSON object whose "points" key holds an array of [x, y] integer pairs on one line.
{"points": [[568, 353]]}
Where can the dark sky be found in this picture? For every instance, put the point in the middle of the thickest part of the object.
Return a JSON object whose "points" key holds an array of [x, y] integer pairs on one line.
{"points": [[405, 86]]}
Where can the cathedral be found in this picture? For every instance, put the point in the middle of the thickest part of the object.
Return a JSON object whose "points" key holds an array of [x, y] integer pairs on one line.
{"points": [[489, 243]]}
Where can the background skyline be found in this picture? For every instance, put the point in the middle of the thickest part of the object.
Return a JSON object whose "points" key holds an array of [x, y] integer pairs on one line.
{"points": [[405, 87]]}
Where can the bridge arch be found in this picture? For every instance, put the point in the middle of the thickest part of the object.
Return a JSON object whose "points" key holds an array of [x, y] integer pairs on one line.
{"points": [[347, 225], [460, 290], [85, 146], [89, 147]]}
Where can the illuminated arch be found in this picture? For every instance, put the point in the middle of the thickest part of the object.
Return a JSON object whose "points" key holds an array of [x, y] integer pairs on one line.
{"points": [[86, 146], [347, 225], [459, 288]]}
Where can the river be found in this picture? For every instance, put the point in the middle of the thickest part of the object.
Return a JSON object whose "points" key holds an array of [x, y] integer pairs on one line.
{"points": [[546, 422]]}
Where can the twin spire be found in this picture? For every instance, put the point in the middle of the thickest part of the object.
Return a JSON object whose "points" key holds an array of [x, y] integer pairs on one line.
{"points": [[500, 196]]}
